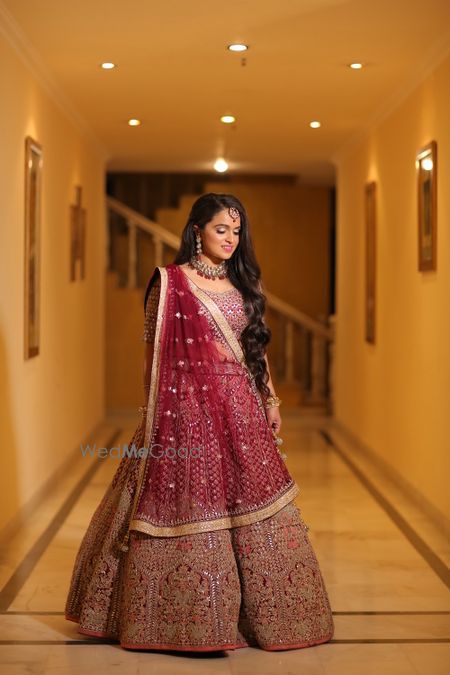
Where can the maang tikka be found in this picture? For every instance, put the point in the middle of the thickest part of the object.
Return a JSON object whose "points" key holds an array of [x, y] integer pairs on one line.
{"points": [[234, 213]]}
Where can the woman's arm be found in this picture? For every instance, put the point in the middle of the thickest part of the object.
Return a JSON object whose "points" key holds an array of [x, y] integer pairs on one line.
{"points": [[273, 413], [269, 381]]}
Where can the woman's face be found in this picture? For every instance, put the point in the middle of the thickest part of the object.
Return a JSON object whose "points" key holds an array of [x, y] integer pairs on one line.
{"points": [[220, 236]]}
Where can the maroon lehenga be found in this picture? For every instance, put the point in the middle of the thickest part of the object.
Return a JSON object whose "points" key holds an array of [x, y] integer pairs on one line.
{"points": [[197, 543]]}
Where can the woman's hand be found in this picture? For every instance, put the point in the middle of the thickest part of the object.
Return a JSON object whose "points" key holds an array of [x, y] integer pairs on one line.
{"points": [[274, 418]]}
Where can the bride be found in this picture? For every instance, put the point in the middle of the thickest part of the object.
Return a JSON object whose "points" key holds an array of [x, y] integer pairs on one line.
{"points": [[197, 544]]}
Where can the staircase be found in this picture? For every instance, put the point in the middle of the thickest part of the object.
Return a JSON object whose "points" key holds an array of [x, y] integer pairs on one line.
{"points": [[135, 246]]}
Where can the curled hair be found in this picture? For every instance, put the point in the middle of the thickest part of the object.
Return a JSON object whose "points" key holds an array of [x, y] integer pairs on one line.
{"points": [[243, 272]]}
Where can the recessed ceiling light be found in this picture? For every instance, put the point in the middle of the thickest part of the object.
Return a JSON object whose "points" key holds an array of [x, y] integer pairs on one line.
{"points": [[314, 124], [355, 66], [237, 47], [107, 65], [134, 122], [220, 165], [228, 119]]}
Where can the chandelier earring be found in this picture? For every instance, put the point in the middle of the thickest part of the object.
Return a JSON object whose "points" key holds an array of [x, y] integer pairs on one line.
{"points": [[198, 243]]}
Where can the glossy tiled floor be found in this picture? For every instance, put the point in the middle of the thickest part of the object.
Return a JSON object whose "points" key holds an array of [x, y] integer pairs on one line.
{"points": [[385, 567]]}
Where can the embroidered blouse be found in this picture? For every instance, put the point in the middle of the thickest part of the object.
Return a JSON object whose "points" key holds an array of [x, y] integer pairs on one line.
{"points": [[230, 302]]}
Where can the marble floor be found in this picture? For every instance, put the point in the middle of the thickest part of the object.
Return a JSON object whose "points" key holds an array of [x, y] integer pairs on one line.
{"points": [[386, 569]]}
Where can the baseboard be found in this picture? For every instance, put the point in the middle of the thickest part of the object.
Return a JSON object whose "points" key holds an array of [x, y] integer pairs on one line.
{"points": [[22, 515], [409, 491]]}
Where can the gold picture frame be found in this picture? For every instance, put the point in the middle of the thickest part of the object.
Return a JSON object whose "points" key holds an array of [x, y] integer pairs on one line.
{"points": [[77, 237], [33, 190], [426, 167], [370, 245]]}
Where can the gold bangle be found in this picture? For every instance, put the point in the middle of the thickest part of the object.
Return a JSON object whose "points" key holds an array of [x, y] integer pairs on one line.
{"points": [[272, 401]]}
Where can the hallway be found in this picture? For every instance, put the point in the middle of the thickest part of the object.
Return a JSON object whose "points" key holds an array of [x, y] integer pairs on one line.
{"points": [[385, 567], [296, 153]]}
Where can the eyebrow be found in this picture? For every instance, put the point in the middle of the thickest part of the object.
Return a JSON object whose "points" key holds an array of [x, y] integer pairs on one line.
{"points": [[224, 225]]}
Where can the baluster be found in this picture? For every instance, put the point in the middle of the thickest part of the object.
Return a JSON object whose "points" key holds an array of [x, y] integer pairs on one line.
{"points": [[279, 324], [132, 254], [158, 246], [289, 351], [305, 358], [318, 369], [108, 238]]}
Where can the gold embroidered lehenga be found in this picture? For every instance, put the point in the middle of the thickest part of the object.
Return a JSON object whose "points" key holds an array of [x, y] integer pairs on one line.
{"points": [[200, 552]]}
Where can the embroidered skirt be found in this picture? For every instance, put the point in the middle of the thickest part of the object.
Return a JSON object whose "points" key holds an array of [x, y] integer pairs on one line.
{"points": [[255, 585]]}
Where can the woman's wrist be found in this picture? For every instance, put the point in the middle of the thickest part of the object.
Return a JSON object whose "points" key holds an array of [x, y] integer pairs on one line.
{"points": [[272, 401]]}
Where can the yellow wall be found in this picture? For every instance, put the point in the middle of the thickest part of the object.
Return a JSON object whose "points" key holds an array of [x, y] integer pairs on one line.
{"points": [[394, 396], [124, 346], [50, 403]]}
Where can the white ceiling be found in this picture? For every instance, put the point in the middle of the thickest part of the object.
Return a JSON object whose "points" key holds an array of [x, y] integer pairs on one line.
{"points": [[175, 74]]}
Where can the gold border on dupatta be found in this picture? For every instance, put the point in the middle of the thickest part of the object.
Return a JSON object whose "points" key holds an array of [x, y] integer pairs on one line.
{"points": [[218, 523], [151, 403]]}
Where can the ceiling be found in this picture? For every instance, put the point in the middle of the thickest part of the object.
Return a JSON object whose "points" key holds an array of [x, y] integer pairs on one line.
{"points": [[176, 75]]}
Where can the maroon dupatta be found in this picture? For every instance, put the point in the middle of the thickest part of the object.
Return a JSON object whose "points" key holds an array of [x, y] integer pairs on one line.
{"points": [[209, 458]]}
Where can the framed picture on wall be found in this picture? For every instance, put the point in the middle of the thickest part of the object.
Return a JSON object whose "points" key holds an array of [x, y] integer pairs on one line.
{"points": [[426, 166], [370, 243], [77, 237], [33, 189]]}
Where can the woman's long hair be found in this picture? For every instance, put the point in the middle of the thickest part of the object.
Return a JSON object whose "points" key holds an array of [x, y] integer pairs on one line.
{"points": [[243, 272]]}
